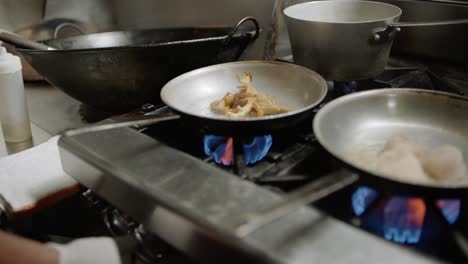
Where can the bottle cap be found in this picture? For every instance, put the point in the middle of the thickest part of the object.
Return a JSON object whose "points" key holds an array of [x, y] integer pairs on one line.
{"points": [[9, 63]]}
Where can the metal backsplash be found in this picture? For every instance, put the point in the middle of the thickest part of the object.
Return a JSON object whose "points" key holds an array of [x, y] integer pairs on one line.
{"points": [[15, 14], [99, 13], [440, 42]]}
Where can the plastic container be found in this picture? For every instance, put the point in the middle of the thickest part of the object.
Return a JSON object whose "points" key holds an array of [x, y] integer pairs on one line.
{"points": [[14, 116]]}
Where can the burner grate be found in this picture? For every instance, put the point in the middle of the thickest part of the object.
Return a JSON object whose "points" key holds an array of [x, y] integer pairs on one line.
{"points": [[278, 163]]}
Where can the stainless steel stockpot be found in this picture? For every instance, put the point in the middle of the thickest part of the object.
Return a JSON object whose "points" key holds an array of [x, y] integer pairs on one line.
{"points": [[346, 40]]}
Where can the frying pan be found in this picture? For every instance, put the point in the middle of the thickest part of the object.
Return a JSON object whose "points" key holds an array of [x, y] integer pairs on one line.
{"points": [[431, 118], [119, 71], [189, 97]]}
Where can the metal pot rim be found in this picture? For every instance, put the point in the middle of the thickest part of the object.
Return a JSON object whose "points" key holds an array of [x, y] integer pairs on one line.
{"points": [[129, 47], [399, 12]]}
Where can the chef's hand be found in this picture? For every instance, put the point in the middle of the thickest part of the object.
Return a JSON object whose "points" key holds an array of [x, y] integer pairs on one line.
{"points": [[18, 250]]}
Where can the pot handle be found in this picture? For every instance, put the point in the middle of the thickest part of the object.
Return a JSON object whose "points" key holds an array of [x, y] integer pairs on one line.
{"points": [[237, 26], [307, 194], [70, 25], [390, 31]]}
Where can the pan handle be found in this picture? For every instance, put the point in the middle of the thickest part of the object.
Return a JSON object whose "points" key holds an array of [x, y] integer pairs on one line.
{"points": [[143, 121], [237, 26], [22, 42], [307, 194], [388, 34]]}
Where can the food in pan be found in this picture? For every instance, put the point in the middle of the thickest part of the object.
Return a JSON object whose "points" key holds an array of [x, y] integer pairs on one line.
{"points": [[403, 158], [247, 102], [443, 162]]}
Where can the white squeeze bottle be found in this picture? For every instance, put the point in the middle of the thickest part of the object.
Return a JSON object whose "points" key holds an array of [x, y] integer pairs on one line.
{"points": [[14, 116]]}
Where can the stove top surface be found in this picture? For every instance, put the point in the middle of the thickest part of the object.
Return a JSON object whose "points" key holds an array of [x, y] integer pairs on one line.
{"points": [[287, 166]]}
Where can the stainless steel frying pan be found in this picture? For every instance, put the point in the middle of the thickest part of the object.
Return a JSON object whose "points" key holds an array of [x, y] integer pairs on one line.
{"points": [[189, 97], [430, 118], [371, 117]]}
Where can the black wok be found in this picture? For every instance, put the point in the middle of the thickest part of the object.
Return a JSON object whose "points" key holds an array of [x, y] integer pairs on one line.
{"points": [[119, 71], [189, 97]]}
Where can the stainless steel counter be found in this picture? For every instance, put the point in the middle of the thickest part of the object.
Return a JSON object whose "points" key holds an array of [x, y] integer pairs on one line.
{"points": [[51, 109]]}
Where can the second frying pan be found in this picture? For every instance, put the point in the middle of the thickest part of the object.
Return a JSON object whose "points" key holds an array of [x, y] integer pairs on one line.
{"points": [[430, 118]]}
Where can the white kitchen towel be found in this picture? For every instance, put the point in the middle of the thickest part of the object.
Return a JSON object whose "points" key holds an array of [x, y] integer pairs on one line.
{"points": [[91, 250], [34, 175]]}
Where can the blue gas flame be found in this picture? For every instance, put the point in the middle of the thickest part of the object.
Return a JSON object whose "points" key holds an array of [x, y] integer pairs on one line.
{"points": [[450, 209], [404, 219], [258, 149], [215, 147], [362, 198], [400, 219]]}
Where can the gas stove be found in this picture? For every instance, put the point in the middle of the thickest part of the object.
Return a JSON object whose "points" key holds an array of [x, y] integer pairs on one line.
{"points": [[193, 189], [282, 162]]}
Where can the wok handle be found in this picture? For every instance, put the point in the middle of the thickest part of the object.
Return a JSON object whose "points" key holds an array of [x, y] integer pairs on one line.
{"points": [[307, 194], [389, 33], [143, 121], [22, 42], [237, 26]]}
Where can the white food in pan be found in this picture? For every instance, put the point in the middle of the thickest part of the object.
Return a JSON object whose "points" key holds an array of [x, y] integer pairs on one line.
{"points": [[401, 158], [443, 162]]}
